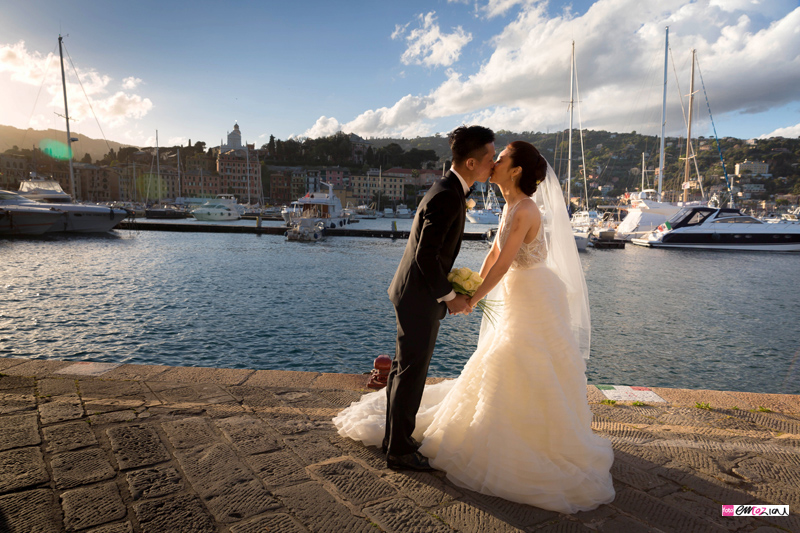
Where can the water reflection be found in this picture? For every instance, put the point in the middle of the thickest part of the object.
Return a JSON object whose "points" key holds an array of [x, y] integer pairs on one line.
{"points": [[660, 317]]}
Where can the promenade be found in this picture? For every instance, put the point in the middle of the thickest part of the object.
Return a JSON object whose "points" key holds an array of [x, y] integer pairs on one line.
{"points": [[106, 448]]}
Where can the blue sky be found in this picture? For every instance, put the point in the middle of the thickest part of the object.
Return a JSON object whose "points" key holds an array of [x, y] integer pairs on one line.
{"points": [[310, 68]]}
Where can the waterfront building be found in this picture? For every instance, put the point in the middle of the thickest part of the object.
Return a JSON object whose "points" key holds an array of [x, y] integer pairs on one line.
{"points": [[13, 169], [364, 187], [300, 183], [755, 168], [280, 187], [96, 183]]}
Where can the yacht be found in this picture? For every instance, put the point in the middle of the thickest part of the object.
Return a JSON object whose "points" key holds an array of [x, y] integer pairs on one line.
{"points": [[22, 220], [645, 214], [295, 209], [320, 206], [585, 220], [75, 217], [223, 207], [707, 228], [41, 188]]}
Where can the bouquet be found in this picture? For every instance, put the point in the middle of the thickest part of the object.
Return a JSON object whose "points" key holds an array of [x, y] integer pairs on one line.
{"points": [[465, 281]]}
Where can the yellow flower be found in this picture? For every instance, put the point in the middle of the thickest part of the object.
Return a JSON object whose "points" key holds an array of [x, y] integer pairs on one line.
{"points": [[470, 284], [471, 203]]}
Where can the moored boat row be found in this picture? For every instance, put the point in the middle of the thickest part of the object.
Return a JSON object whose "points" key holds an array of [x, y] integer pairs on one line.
{"points": [[23, 216]]}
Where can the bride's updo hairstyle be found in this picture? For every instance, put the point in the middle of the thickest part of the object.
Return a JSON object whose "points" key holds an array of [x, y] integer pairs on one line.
{"points": [[533, 164]]}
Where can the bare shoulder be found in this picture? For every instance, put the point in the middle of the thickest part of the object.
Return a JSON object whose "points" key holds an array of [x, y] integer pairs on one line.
{"points": [[528, 211]]}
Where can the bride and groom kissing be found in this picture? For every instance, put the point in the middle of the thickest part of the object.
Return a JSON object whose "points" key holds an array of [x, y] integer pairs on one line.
{"points": [[516, 422]]}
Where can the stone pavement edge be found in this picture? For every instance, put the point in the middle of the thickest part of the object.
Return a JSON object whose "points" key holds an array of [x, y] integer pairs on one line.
{"points": [[134, 448]]}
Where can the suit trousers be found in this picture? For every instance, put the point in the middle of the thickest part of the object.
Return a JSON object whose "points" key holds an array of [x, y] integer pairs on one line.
{"points": [[417, 329]]}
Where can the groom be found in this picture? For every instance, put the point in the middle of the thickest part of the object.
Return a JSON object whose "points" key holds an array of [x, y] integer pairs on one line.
{"points": [[421, 293]]}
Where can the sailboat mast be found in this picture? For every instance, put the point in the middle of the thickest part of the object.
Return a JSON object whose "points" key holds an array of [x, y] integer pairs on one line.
{"points": [[158, 169], [643, 168], [663, 117], [179, 171], [569, 150], [689, 136], [66, 115]]}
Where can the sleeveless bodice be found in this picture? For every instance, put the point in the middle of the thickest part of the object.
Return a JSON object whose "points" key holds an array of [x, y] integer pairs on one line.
{"points": [[529, 255]]}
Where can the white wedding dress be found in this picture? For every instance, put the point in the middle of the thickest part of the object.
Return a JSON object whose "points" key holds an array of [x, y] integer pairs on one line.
{"points": [[516, 423]]}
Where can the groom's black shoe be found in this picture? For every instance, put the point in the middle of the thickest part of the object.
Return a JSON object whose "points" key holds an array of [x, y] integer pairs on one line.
{"points": [[410, 461], [385, 447]]}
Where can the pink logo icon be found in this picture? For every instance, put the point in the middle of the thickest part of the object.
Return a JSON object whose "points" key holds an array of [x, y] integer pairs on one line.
{"points": [[727, 510]]}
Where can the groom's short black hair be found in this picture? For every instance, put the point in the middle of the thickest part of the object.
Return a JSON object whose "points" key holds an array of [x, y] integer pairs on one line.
{"points": [[469, 141]]}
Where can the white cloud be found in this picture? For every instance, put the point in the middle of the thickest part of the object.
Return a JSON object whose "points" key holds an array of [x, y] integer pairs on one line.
{"points": [[323, 127], [790, 132], [749, 64], [131, 82], [427, 45], [496, 8], [111, 109]]}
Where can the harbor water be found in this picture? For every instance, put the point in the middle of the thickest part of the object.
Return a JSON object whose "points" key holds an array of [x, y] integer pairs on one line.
{"points": [[687, 319]]}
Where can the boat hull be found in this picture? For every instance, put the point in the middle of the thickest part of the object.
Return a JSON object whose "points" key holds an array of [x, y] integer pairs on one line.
{"points": [[86, 219], [26, 221], [483, 217]]}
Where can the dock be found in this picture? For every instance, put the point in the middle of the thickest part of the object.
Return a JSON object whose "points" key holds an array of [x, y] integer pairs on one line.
{"points": [[276, 230]]}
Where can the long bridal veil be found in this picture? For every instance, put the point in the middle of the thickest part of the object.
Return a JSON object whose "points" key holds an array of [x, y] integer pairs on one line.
{"points": [[562, 258]]}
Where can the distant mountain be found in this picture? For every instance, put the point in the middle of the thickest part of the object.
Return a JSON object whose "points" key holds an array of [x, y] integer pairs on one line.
{"points": [[30, 138]]}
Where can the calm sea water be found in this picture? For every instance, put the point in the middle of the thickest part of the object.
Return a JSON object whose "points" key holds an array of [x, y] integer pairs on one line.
{"points": [[716, 320]]}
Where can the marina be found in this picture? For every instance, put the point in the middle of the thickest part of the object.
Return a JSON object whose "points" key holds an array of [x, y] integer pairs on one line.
{"points": [[675, 318]]}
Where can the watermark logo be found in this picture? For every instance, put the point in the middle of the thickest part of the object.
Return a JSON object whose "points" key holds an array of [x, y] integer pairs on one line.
{"points": [[755, 510]]}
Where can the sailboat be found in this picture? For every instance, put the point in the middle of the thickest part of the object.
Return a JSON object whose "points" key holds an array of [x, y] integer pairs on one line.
{"points": [[647, 211], [581, 235], [73, 217]]}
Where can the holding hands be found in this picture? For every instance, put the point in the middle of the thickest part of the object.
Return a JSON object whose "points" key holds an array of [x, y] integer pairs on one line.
{"points": [[459, 305]]}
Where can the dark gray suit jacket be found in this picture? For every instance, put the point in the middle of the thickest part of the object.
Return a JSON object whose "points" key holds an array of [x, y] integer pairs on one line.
{"points": [[433, 245]]}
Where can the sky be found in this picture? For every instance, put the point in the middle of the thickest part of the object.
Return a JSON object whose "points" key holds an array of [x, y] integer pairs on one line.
{"points": [[191, 70]]}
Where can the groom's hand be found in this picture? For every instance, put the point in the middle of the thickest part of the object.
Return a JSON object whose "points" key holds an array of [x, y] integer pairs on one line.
{"points": [[459, 305]]}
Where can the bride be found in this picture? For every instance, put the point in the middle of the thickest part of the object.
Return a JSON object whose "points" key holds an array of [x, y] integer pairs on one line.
{"points": [[516, 423]]}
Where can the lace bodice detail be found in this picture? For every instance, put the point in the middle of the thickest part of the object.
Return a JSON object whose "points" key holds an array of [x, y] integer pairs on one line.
{"points": [[530, 254]]}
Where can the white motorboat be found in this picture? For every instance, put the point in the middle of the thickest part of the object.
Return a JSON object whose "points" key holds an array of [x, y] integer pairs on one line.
{"points": [[402, 211], [707, 228], [581, 239], [490, 214], [366, 212], [43, 189], [306, 230], [222, 208], [322, 207], [388, 212], [22, 220], [77, 218]]}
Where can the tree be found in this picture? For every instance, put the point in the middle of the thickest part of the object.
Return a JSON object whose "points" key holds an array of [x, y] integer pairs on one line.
{"points": [[87, 158], [271, 145], [200, 146]]}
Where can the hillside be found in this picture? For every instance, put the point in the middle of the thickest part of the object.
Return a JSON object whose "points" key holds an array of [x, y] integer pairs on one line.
{"points": [[11, 136]]}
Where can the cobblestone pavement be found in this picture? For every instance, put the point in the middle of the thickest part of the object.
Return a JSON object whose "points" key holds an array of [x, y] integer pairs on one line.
{"points": [[167, 449]]}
